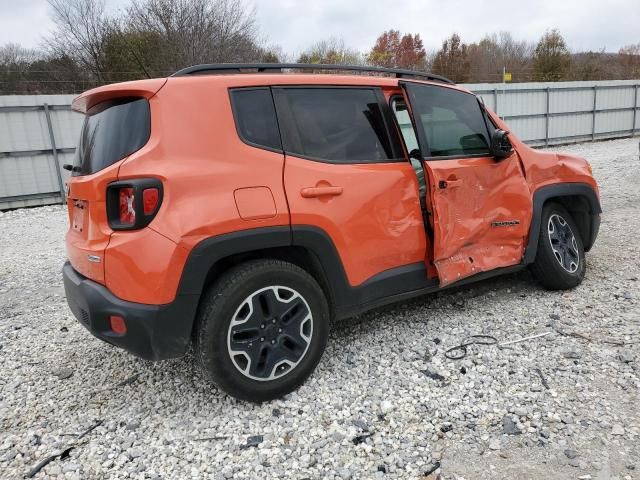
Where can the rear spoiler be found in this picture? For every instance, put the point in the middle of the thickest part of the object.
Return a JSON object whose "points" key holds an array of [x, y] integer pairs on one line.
{"points": [[138, 88]]}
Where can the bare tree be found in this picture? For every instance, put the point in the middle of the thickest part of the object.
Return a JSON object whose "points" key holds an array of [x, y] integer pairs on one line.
{"points": [[81, 29], [197, 31], [630, 60], [15, 54], [15, 62], [496, 52]]}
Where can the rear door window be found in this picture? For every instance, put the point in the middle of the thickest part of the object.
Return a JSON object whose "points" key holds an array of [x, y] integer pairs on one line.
{"points": [[333, 124], [255, 117], [112, 130]]}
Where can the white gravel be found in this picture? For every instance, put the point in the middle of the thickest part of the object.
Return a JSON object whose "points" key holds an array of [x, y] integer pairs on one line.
{"points": [[369, 407]]}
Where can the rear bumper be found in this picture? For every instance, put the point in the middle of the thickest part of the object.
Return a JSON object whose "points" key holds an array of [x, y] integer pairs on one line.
{"points": [[154, 332]]}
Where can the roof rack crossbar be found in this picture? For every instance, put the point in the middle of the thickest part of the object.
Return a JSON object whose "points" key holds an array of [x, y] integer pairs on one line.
{"points": [[265, 67]]}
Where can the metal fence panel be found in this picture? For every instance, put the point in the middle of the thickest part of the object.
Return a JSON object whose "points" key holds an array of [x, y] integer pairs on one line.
{"points": [[28, 174], [613, 122], [570, 100], [615, 98], [528, 129], [38, 133], [66, 127], [577, 125], [525, 103], [23, 131]]}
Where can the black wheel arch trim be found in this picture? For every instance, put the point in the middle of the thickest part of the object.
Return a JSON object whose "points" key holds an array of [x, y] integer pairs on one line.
{"points": [[346, 299], [211, 250], [549, 192]]}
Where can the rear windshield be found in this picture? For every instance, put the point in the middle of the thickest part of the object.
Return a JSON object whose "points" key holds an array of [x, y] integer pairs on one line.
{"points": [[111, 131]]}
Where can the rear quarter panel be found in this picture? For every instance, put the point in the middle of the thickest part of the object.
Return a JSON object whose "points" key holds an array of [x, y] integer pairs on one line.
{"points": [[202, 163]]}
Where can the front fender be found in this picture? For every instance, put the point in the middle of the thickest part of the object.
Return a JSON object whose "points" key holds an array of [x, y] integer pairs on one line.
{"points": [[563, 190]]}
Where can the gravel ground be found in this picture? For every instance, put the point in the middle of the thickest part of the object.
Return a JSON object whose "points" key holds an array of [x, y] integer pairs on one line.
{"points": [[384, 402]]}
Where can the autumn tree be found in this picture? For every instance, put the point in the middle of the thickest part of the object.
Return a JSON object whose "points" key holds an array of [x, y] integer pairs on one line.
{"points": [[394, 51], [452, 60], [551, 59]]}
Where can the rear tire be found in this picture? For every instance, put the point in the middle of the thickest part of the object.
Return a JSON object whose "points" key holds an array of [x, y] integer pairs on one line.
{"points": [[560, 261], [262, 329]]}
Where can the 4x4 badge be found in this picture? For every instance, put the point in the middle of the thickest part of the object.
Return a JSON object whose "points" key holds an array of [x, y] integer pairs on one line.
{"points": [[505, 223]]}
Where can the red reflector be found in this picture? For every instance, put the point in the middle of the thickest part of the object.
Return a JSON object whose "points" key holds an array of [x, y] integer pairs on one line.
{"points": [[150, 200], [127, 208], [117, 324]]}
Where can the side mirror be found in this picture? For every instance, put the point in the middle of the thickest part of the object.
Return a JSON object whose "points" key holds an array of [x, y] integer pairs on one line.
{"points": [[500, 144]]}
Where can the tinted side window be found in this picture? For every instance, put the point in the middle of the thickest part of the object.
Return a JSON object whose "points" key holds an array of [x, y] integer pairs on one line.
{"points": [[452, 121], [112, 130], [255, 117], [334, 124]]}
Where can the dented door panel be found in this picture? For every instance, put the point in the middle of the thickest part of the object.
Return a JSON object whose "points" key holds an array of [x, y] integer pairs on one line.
{"points": [[480, 206], [481, 215]]}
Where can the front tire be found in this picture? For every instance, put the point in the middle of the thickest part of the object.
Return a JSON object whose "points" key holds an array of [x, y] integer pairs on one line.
{"points": [[262, 329], [560, 261]]}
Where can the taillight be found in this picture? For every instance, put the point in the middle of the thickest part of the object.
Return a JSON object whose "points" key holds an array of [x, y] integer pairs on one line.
{"points": [[127, 210], [132, 204], [150, 197]]}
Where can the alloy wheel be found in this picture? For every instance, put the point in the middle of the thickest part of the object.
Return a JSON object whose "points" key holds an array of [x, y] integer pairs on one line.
{"points": [[270, 333], [563, 243]]}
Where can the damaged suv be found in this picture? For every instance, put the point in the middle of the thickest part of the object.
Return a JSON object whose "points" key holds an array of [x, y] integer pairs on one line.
{"points": [[243, 208]]}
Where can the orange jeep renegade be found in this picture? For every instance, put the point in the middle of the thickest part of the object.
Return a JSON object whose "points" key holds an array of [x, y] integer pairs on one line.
{"points": [[242, 209]]}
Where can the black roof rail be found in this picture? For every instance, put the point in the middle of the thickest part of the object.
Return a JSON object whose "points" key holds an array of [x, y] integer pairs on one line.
{"points": [[213, 68]]}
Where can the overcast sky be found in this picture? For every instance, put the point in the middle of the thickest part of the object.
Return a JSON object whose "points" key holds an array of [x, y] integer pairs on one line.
{"points": [[295, 24]]}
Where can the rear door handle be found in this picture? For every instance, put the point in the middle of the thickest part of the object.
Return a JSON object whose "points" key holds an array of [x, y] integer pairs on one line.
{"points": [[449, 183], [313, 192]]}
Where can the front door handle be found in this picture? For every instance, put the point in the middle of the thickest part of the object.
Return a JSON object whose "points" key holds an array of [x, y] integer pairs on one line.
{"points": [[313, 192]]}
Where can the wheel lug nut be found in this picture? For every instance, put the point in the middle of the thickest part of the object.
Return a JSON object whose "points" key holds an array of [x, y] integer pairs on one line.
{"points": [[262, 339], [279, 330], [273, 321], [272, 342], [262, 326]]}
